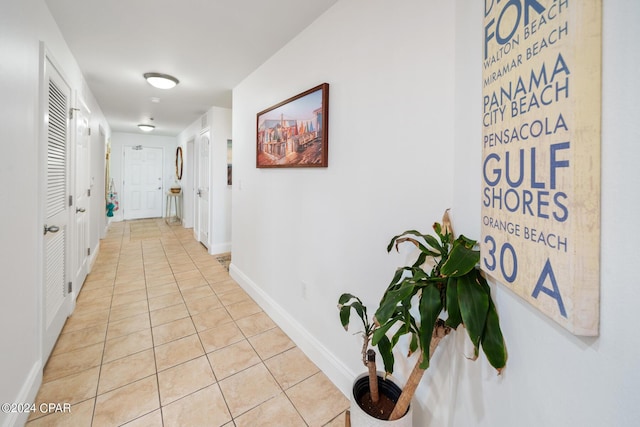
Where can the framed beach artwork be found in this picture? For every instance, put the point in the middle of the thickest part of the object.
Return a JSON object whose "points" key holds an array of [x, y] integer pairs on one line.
{"points": [[294, 133]]}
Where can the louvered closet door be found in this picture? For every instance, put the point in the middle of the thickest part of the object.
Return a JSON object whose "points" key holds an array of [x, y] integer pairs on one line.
{"points": [[56, 302]]}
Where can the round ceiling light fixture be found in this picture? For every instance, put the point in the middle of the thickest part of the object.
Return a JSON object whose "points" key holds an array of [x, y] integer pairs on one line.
{"points": [[146, 128], [161, 81]]}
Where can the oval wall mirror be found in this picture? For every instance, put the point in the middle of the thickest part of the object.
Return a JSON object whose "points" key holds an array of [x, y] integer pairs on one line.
{"points": [[179, 163]]}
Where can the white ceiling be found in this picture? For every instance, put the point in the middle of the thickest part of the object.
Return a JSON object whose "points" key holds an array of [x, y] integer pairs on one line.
{"points": [[209, 45]]}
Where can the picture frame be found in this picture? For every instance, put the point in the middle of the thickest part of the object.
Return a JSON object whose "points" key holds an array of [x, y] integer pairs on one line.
{"points": [[294, 133]]}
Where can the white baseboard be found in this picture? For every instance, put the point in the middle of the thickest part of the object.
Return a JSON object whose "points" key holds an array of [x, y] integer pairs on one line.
{"points": [[333, 368], [94, 255], [27, 394]]}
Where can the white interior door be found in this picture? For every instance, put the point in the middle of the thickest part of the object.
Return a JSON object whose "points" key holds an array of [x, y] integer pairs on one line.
{"points": [[202, 190], [81, 197], [56, 234], [142, 182]]}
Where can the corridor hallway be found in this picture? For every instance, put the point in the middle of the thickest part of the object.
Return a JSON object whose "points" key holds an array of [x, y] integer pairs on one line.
{"points": [[163, 336]]}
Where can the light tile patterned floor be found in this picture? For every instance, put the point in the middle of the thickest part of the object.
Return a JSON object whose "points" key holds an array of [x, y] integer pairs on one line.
{"points": [[162, 336]]}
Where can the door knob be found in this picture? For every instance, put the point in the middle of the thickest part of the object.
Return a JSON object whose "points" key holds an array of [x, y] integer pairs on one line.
{"points": [[80, 210], [51, 228]]}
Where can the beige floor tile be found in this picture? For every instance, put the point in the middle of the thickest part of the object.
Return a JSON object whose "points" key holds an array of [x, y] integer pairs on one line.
{"points": [[172, 331], [85, 319], [87, 295], [128, 325], [127, 403], [221, 336], [203, 408], [177, 352], [127, 345], [270, 343], [255, 324], [130, 277], [98, 283], [248, 389], [274, 412], [75, 340], [163, 279], [184, 270], [129, 265], [93, 306], [184, 379], [104, 274], [185, 274], [167, 300], [203, 304], [129, 297], [243, 309], [225, 286], [216, 277], [317, 400], [338, 421], [129, 286], [152, 419], [70, 389], [192, 283], [192, 294], [151, 288], [79, 415], [126, 370], [291, 367], [158, 291], [211, 319], [233, 359], [168, 314], [127, 310], [234, 296], [72, 362]]}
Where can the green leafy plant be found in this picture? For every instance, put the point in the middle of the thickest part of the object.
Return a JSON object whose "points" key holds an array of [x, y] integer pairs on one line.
{"points": [[444, 279], [348, 302]]}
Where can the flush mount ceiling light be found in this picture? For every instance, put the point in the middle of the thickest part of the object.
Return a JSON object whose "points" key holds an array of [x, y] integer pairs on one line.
{"points": [[161, 81], [146, 128]]}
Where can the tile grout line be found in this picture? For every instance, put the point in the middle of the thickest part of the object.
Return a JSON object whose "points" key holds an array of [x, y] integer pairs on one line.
{"points": [[106, 332]]}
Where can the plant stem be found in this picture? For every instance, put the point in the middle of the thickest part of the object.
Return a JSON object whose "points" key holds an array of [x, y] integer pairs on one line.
{"points": [[373, 376], [439, 332]]}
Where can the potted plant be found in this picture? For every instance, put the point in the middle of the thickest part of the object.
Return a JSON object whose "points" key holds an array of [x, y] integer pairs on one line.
{"points": [[373, 396], [445, 278]]}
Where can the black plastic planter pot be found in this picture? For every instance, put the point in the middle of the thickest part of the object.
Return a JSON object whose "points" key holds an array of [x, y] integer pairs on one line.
{"points": [[360, 418]]}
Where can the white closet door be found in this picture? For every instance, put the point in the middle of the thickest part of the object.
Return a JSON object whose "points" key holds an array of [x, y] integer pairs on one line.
{"points": [[56, 299]]}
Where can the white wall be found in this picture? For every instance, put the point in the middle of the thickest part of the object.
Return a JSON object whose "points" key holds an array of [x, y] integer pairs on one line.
{"points": [[119, 140], [403, 146], [218, 121], [23, 25], [220, 191], [301, 237]]}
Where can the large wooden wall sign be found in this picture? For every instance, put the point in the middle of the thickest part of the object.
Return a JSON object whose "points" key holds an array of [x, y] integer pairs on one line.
{"points": [[542, 62]]}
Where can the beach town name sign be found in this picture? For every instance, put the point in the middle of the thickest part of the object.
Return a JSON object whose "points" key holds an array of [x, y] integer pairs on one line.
{"points": [[541, 155]]}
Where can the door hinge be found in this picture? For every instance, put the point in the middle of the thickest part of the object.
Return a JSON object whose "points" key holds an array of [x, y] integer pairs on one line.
{"points": [[88, 251], [89, 192], [89, 129], [70, 200], [70, 287], [71, 110]]}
